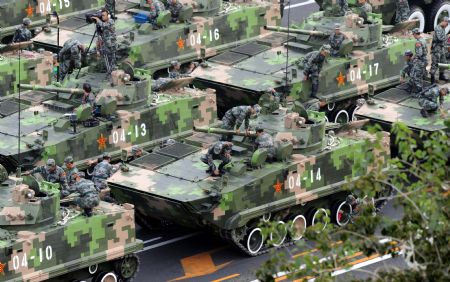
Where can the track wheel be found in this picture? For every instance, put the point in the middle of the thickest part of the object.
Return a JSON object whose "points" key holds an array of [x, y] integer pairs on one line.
{"points": [[341, 212], [105, 277], [298, 227], [416, 13], [254, 241], [341, 116], [439, 10], [318, 216], [127, 267], [278, 235]]}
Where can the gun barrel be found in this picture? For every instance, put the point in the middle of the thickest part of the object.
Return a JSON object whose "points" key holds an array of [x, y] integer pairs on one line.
{"points": [[51, 89], [444, 66], [223, 131], [296, 30]]}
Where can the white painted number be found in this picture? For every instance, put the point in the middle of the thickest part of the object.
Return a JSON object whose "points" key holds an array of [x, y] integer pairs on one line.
{"points": [[120, 135], [21, 260], [196, 39], [357, 73], [295, 180], [45, 7]]}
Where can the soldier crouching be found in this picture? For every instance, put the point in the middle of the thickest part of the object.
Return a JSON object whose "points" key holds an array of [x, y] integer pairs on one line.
{"points": [[89, 197], [221, 150], [428, 100]]}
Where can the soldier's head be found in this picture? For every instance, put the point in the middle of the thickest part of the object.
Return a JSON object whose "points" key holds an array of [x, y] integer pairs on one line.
{"points": [[416, 33], [150, 2], [105, 15], [136, 151], [173, 2], [270, 90], [51, 165], [325, 50], [255, 109], [362, 2], [78, 175], [81, 47], [175, 65], [443, 91], [26, 22], [106, 157], [68, 162], [408, 55], [87, 88], [337, 28], [259, 131], [444, 22]]}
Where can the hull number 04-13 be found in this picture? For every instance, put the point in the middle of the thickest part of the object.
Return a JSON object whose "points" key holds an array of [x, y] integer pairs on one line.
{"points": [[120, 135]]}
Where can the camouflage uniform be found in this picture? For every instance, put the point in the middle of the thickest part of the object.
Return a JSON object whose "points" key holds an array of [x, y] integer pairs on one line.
{"points": [[402, 11], [366, 7], [57, 176], [429, 99], [102, 171], [90, 100], [69, 57], [88, 194], [234, 117], [175, 9], [420, 63], [107, 43], [407, 69], [335, 40], [22, 34], [438, 51], [343, 4], [109, 5], [265, 141], [70, 175], [217, 151], [421, 52], [155, 8], [313, 63]]}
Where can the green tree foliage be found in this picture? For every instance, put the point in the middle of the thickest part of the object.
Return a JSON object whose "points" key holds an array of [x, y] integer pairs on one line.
{"points": [[419, 181]]}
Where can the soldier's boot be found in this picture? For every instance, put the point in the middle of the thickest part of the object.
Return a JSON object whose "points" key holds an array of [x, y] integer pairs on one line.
{"points": [[314, 89], [443, 77], [432, 78], [424, 113], [88, 212]]}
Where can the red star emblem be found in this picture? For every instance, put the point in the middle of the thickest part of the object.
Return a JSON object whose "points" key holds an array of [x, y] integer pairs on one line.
{"points": [[2, 267], [101, 142], [278, 186], [29, 10], [340, 79], [180, 43]]}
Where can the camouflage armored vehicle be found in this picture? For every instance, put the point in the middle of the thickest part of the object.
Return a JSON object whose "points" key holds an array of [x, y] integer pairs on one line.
{"points": [[24, 67], [206, 27], [304, 180], [44, 239], [369, 56], [13, 11], [54, 124]]}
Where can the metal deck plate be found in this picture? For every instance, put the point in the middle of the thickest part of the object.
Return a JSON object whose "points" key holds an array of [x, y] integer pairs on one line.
{"points": [[228, 58], [73, 23], [250, 49], [9, 107], [36, 97], [201, 138], [184, 169], [178, 150], [58, 106], [152, 161], [394, 95], [275, 39]]}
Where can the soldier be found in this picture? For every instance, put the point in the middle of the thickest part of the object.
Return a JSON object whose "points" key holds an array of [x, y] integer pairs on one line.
{"points": [[136, 153], [335, 40], [22, 33], [89, 197], [408, 65], [313, 63], [103, 171], [402, 11], [88, 97], [221, 150], [51, 173], [70, 170], [174, 7], [438, 51], [343, 4], [156, 7], [110, 5], [420, 59], [175, 70], [429, 99], [69, 57], [414, 71], [107, 42], [235, 116], [264, 141], [365, 6]]}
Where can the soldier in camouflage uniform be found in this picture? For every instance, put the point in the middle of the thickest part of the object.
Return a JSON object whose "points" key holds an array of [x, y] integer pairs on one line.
{"points": [[235, 116], [343, 4], [174, 7], [70, 170], [69, 57], [22, 33], [264, 141], [221, 150], [136, 153], [107, 42], [420, 59], [51, 173], [335, 40], [413, 71], [89, 197], [429, 99], [110, 6], [88, 97], [438, 49], [365, 6], [313, 63], [103, 171], [156, 7], [175, 70], [402, 11]]}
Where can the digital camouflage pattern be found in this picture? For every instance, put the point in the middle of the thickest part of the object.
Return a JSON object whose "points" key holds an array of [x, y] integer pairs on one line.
{"points": [[130, 115], [13, 11], [214, 26], [307, 175], [34, 67], [42, 238], [371, 58]]}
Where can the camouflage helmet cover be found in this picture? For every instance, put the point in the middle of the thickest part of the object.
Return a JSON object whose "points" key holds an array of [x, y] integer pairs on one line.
{"points": [[135, 149], [68, 159], [51, 163], [416, 31], [257, 108], [26, 21], [326, 48], [408, 53]]}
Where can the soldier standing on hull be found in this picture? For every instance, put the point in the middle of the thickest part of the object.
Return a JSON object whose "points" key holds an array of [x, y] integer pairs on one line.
{"points": [[365, 6], [313, 63], [335, 40], [343, 5], [156, 7], [438, 50], [69, 57], [234, 117], [110, 5], [51, 173], [429, 100], [22, 33], [264, 141], [174, 7], [89, 197], [420, 59], [402, 11], [70, 170], [107, 42], [221, 150]]}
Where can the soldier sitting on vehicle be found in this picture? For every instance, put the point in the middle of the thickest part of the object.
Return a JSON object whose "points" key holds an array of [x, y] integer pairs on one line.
{"points": [[264, 141], [234, 117], [413, 71], [88, 195], [156, 7], [428, 100], [51, 173], [174, 7], [335, 40], [70, 170], [312, 66], [23, 33], [136, 153], [69, 57], [343, 5], [438, 49], [102, 172], [175, 71], [221, 150]]}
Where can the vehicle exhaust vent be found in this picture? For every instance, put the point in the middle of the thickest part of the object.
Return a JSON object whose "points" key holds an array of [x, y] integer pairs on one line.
{"points": [[228, 58], [250, 49], [152, 161], [178, 150]]}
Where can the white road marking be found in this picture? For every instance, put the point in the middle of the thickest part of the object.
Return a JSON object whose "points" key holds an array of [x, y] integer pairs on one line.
{"points": [[168, 242], [151, 240], [309, 2]]}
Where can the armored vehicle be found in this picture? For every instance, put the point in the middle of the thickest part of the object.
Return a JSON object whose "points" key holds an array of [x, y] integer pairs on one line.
{"points": [[304, 179], [54, 123], [23, 67], [13, 11], [43, 238], [368, 57], [205, 27]]}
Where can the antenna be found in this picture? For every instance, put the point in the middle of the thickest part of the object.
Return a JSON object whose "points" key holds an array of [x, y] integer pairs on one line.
{"points": [[287, 49], [19, 167]]}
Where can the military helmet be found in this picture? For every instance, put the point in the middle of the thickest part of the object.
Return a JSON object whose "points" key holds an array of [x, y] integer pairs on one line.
{"points": [[68, 160], [445, 19], [416, 31], [337, 26], [26, 21], [174, 63], [81, 174], [51, 163], [326, 48], [106, 155], [409, 53], [257, 108], [135, 149]]}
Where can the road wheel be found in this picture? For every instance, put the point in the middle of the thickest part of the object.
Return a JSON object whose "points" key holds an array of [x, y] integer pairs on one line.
{"points": [[439, 10], [318, 216], [105, 277], [341, 212], [416, 13], [127, 267], [298, 227], [278, 235], [254, 241], [341, 117]]}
